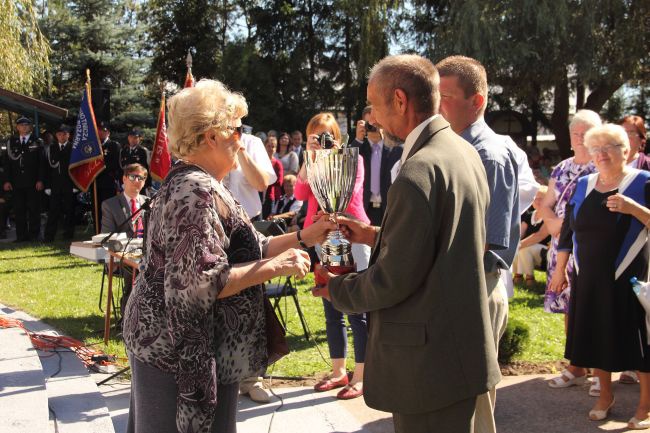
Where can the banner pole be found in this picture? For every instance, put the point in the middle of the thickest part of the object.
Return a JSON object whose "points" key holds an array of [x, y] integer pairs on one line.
{"points": [[96, 207]]}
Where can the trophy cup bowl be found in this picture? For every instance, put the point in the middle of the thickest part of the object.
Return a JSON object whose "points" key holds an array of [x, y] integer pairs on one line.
{"points": [[331, 174]]}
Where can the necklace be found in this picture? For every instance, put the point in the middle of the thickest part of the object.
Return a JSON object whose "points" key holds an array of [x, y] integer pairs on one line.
{"points": [[613, 181]]}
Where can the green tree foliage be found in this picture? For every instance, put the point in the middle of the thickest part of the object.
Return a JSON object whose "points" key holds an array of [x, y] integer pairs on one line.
{"points": [[23, 48], [105, 37], [292, 59], [541, 51]]}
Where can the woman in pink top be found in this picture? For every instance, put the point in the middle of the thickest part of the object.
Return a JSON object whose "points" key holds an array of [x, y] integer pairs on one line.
{"points": [[334, 320]]}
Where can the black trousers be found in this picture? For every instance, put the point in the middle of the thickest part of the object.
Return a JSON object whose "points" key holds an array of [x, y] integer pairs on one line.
{"points": [[61, 207], [27, 210]]}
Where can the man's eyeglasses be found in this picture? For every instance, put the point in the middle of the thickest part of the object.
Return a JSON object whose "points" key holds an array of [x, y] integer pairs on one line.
{"points": [[609, 148], [134, 177]]}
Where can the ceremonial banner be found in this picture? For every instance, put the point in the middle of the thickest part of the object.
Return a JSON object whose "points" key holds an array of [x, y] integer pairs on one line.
{"points": [[160, 158], [189, 79], [86, 158]]}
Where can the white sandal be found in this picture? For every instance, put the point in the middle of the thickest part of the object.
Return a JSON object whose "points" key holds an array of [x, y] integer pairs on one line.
{"points": [[560, 382], [628, 377], [594, 389]]}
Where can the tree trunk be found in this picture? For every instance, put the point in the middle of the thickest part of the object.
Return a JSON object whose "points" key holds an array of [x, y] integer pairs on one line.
{"points": [[560, 117], [601, 94], [580, 95]]}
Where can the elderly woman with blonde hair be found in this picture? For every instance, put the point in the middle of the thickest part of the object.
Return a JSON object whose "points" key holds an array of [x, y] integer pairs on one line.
{"points": [[606, 228], [195, 323]]}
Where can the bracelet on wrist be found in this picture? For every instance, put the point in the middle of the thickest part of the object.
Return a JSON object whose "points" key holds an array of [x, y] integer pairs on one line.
{"points": [[300, 241]]}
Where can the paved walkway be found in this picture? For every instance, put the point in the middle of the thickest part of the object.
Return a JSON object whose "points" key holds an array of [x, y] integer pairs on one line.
{"points": [[525, 404]]}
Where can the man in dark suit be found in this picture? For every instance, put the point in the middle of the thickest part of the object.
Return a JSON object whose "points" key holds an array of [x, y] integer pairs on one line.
{"points": [[430, 352], [116, 214], [378, 159], [59, 184], [24, 179], [108, 181], [117, 209]]}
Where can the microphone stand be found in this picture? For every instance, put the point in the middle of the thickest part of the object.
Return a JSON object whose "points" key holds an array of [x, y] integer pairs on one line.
{"points": [[110, 244]]}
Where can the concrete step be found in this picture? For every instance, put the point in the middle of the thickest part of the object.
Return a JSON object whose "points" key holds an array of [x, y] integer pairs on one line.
{"points": [[22, 385], [75, 403]]}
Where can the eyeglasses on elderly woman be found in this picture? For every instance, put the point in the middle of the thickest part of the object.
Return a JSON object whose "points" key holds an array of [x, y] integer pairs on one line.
{"points": [[607, 148], [239, 130]]}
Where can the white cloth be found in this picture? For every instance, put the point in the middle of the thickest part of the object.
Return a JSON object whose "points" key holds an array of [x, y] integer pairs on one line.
{"points": [[237, 183], [527, 259], [413, 136], [528, 186]]}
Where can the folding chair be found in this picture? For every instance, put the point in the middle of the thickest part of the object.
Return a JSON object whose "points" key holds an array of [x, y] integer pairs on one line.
{"points": [[276, 289]]}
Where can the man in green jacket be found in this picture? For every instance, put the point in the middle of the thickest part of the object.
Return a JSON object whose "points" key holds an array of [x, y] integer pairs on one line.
{"points": [[430, 351]]}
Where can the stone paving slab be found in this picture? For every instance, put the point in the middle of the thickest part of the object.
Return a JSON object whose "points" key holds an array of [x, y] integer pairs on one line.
{"points": [[23, 398]]}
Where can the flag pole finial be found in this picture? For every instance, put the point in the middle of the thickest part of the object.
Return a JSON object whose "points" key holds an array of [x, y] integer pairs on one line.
{"points": [[87, 75], [188, 59]]}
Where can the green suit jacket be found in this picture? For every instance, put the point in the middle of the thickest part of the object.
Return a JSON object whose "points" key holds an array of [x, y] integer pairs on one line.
{"points": [[430, 342]]}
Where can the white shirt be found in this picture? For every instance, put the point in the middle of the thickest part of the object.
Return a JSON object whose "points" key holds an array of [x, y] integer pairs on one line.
{"points": [[526, 182], [413, 136], [236, 182], [279, 204], [408, 145]]}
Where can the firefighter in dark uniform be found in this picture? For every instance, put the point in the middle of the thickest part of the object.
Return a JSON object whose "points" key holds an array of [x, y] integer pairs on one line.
{"points": [[134, 153], [4, 196], [108, 181], [58, 182], [24, 179]]}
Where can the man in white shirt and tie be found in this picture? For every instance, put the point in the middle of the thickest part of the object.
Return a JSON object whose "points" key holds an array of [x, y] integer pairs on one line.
{"points": [[378, 160]]}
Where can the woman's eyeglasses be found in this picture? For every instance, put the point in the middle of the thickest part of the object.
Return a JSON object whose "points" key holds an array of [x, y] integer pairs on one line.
{"points": [[134, 177], [239, 130], [608, 148]]}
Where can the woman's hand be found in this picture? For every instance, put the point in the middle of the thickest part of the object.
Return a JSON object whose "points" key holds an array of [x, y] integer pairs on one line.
{"points": [[558, 281], [620, 203], [317, 232], [291, 262]]}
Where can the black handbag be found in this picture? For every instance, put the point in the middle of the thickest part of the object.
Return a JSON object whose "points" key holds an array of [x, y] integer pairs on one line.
{"points": [[276, 343]]}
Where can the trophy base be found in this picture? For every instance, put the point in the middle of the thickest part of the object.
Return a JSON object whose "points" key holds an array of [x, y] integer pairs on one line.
{"points": [[341, 270]]}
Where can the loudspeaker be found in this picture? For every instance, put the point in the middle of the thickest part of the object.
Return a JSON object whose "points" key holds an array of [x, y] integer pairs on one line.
{"points": [[101, 104]]}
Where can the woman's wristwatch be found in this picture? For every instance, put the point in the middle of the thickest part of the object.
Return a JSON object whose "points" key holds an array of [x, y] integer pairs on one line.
{"points": [[300, 241]]}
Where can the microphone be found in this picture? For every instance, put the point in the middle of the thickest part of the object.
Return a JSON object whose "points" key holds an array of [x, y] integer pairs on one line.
{"points": [[115, 245]]}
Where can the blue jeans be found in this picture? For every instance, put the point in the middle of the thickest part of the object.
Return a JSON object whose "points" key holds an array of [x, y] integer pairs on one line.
{"points": [[337, 333]]}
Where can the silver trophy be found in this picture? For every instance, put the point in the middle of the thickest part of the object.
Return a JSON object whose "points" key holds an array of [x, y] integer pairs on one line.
{"points": [[331, 174]]}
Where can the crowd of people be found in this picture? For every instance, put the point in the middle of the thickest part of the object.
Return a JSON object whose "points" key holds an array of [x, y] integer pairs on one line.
{"points": [[445, 216], [35, 180]]}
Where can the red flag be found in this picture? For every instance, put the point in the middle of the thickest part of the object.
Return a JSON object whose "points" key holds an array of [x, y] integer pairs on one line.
{"points": [[86, 158], [160, 159], [189, 79]]}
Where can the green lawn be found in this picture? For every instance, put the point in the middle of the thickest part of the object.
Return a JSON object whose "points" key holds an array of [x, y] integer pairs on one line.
{"points": [[47, 282]]}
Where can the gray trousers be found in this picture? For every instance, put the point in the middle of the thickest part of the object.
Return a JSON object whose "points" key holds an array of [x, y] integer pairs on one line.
{"points": [[457, 418], [153, 402], [498, 305]]}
